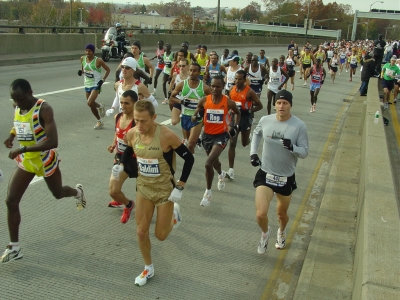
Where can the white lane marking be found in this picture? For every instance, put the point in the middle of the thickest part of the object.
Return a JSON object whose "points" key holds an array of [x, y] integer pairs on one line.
{"points": [[166, 122], [35, 179], [61, 91]]}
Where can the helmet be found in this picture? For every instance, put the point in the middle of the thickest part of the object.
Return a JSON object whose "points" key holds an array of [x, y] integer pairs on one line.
{"points": [[118, 25]]}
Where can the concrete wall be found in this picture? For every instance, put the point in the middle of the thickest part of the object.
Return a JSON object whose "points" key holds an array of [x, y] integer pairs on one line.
{"points": [[376, 272], [41, 43]]}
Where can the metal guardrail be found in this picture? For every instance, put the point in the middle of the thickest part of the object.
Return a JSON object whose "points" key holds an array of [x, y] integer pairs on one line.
{"points": [[22, 29]]}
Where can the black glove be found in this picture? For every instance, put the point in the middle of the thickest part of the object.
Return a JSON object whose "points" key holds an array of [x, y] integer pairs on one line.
{"points": [[151, 81], [255, 160], [100, 83], [287, 144], [80, 72], [233, 131], [322, 81], [169, 94], [185, 102]]}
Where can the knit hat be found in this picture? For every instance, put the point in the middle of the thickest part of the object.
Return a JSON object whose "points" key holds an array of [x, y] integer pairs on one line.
{"points": [[90, 47], [285, 95]]}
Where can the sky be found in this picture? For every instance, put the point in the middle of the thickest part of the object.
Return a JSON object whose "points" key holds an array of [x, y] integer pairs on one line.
{"points": [[360, 5]]}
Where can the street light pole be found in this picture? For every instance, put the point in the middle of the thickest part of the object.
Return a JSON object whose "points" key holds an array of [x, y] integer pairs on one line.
{"points": [[80, 8], [308, 14], [218, 9], [366, 32], [194, 15], [70, 16]]}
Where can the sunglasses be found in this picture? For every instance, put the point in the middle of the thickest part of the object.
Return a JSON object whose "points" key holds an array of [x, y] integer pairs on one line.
{"points": [[182, 66], [126, 68]]}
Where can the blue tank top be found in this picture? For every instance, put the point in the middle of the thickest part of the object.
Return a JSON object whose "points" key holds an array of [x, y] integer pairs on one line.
{"points": [[262, 61]]}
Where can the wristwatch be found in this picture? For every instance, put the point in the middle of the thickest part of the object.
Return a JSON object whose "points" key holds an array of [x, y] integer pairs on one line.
{"points": [[179, 187], [23, 149]]}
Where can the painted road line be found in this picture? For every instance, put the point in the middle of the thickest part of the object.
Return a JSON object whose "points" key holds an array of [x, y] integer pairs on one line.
{"points": [[279, 265], [36, 179], [61, 91]]}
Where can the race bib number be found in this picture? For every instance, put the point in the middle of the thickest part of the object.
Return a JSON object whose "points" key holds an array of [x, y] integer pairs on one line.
{"points": [[203, 68], [89, 74], [168, 64], [316, 77], [274, 79], [389, 72], [215, 116], [24, 131], [121, 145], [149, 167], [238, 104], [275, 180], [353, 61]]}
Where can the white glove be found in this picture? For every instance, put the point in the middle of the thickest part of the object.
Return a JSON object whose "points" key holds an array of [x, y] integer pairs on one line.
{"points": [[109, 112], [175, 196], [2, 176]]}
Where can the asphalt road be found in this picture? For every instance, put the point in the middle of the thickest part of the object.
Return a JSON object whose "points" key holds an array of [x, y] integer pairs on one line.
{"points": [[213, 255]]}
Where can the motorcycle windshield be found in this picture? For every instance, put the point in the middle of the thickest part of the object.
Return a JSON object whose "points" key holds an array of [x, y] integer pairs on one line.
{"points": [[111, 33]]}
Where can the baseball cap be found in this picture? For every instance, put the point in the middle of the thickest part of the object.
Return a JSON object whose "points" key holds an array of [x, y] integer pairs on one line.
{"points": [[129, 62], [284, 94], [393, 58], [232, 57]]}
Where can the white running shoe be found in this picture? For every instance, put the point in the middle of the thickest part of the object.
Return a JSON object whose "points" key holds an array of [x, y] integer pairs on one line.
{"points": [[80, 199], [280, 239], [9, 254], [154, 93], [305, 83], [206, 199], [230, 174], [102, 111], [99, 125], [142, 278], [165, 101], [221, 181], [177, 216], [262, 246]]}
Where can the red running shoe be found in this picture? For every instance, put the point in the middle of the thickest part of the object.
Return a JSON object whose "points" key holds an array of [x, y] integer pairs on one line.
{"points": [[126, 215], [115, 204]]}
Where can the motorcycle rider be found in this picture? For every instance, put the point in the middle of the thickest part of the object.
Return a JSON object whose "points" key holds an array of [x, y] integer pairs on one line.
{"points": [[120, 39]]}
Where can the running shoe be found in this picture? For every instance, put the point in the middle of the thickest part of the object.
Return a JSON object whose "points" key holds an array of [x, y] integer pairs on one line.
{"points": [[126, 215], [280, 240], [80, 199], [9, 254], [346, 71], [230, 174], [263, 245], [142, 278], [198, 144], [115, 204], [99, 125], [305, 83], [165, 101], [206, 199], [385, 106], [154, 93], [312, 109], [102, 111], [177, 216], [221, 181]]}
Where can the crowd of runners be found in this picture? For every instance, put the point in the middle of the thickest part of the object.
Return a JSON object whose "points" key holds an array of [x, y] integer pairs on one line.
{"points": [[213, 97]]}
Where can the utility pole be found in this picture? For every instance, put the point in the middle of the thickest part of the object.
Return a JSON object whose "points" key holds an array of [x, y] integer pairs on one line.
{"points": [[218, 13], [308, 15], [70, 16]]}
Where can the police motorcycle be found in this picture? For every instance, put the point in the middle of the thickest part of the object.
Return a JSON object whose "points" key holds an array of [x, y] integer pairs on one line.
{"points": [[109, 48]]}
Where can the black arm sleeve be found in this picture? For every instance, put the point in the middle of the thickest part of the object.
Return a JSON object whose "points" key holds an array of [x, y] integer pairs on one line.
{"points": [[184, 152], [130, 162]]}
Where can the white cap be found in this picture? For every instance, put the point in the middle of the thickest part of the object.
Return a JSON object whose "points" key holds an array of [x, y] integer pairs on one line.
{"points": [[129, 62]]}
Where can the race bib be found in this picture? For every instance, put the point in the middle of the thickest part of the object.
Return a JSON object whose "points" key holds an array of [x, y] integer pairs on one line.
{"points": [[274, 79], [149, 167], [275, 180], [215, 116], [238, 104], [89, 74], [121, 146], [389, 72], [24, 131], [316, 77]]}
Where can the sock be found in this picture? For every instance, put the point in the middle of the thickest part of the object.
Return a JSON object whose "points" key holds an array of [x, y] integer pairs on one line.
{"points": [[279, 230], [79, 193], [14, 245], [208, 191], [149, 267], [129, 205]]}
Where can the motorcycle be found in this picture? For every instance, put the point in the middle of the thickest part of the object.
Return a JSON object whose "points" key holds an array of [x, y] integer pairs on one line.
{"points": [[109, 48]]}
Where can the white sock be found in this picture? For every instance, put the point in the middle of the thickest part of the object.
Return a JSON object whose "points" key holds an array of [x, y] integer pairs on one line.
{"points": [[79, 194], [149, 267], [14, 245], [208, 191]]}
